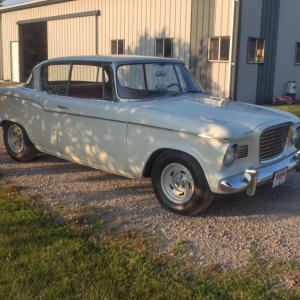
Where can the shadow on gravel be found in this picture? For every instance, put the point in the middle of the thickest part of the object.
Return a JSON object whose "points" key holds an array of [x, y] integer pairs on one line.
{"points": [[283, 200], [59, 166]]}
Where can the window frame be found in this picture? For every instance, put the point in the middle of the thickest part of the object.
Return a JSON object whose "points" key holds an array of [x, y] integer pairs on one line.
{"points": [[297, 54], [184, 78], [118, 41], [219, 49], [56, 87], [256, 61], [164, 47]]}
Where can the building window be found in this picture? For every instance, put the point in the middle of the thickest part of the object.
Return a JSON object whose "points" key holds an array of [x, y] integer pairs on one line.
{"points": [[256, 50], [117, 46], [218, 48], [164, 47], [297, 57]]}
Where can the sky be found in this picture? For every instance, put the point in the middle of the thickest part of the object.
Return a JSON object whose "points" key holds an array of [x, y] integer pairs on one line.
{"points": [[9, 2]]}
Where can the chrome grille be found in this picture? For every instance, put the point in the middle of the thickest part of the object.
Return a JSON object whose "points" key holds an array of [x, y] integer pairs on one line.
{"points": [[273, 141]]}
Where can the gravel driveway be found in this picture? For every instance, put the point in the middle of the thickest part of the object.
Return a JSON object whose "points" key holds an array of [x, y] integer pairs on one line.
{"points": [[225, 234]]}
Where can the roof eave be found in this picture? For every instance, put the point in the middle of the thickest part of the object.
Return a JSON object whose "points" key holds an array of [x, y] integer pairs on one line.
{"points": [[29, 4]]}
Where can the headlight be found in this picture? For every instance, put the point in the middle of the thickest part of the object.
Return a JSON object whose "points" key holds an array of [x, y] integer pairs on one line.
{"points": [[295, 134], [231, 154]]}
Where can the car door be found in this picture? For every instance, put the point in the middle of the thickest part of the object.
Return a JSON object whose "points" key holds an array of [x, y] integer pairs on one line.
{"points": [[92, 127], [46, 104], [94, 133]]}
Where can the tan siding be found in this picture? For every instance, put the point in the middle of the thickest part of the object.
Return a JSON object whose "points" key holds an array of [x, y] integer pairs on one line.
{"points": [[218, 18], [226, 11], [138, 22], [1, 56], [77, 38], [222, 27]]}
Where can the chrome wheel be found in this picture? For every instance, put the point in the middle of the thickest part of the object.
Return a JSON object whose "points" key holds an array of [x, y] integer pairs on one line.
{"points": [[15, 138], [177, 183], [17, 143]]}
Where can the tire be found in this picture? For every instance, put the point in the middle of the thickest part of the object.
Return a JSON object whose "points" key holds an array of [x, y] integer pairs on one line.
{"points": [[17, 143], [179, 183]]}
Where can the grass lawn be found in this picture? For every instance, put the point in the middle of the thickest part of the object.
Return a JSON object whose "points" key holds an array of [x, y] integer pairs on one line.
{"points": [[293, 108], [43, 259]]}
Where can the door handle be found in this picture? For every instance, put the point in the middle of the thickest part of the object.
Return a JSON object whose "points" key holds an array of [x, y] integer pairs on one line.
{"points": [[62, 107]]}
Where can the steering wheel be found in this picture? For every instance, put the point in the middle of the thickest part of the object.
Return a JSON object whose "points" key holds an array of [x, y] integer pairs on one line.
{"points": [[174, 84]]}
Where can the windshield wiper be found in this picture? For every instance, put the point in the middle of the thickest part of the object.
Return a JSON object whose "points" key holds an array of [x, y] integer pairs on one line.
{"points": [[194, 91]]}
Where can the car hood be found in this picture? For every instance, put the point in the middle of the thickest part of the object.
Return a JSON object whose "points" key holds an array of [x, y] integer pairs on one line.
{"points": [[208, 116]]}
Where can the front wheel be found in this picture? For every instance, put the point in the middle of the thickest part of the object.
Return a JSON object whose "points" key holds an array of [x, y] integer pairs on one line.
{"points": [[17, 143], [179, 183]]}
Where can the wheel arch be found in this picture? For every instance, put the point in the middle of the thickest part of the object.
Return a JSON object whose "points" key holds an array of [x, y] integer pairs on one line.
{"points": [[191, 152], [180, 184], [150, 162], [17, 121], [2, 123], [17, 142], [14, 120]]}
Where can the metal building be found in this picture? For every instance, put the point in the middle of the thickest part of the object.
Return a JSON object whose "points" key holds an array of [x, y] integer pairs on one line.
{"points": [[242, 49]]}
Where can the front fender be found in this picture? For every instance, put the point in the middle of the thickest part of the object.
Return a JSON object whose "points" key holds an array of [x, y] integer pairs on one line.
{"points": [[143, 141]]}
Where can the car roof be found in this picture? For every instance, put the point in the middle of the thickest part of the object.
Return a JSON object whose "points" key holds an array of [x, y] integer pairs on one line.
{"points": [[111, 58]]}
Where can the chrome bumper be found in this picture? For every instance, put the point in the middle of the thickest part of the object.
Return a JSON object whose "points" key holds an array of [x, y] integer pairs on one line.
{"points": [[252, 178]]}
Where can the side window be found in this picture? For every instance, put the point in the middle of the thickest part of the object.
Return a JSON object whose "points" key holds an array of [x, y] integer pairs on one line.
{"points": [[54, 79], [86, 73], [297, 56], [117, 47], [256, 50], [218, 48], [164, 47], [90, 82]]}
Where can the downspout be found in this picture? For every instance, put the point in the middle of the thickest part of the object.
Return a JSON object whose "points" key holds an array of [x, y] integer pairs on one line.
{"points": [[230, 63], [96, 35]]}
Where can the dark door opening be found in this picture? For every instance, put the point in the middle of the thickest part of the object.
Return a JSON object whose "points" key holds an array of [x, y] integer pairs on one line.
{"points": [[33, 46]]}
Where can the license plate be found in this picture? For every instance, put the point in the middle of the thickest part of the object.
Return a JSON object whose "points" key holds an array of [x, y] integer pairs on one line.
{"points": [[279, 177]]}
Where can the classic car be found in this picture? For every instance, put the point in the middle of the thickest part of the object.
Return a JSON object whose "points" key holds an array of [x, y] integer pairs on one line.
{"points": [[147, 116]]}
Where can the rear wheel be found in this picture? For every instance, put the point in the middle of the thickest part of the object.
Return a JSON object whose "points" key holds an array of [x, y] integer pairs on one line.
{"points": [[17, 143], [179, 183]]}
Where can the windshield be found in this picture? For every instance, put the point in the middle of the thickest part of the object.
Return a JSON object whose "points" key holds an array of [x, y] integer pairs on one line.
{"points": [[146, 80]]}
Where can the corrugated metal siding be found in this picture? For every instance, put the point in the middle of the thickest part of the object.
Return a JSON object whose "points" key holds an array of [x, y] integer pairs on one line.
{"points": [[269, 31], [137, 22], [1, 56], [210, 18], [251, 15], [77, 38], [288, 35], [201, 28]]}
